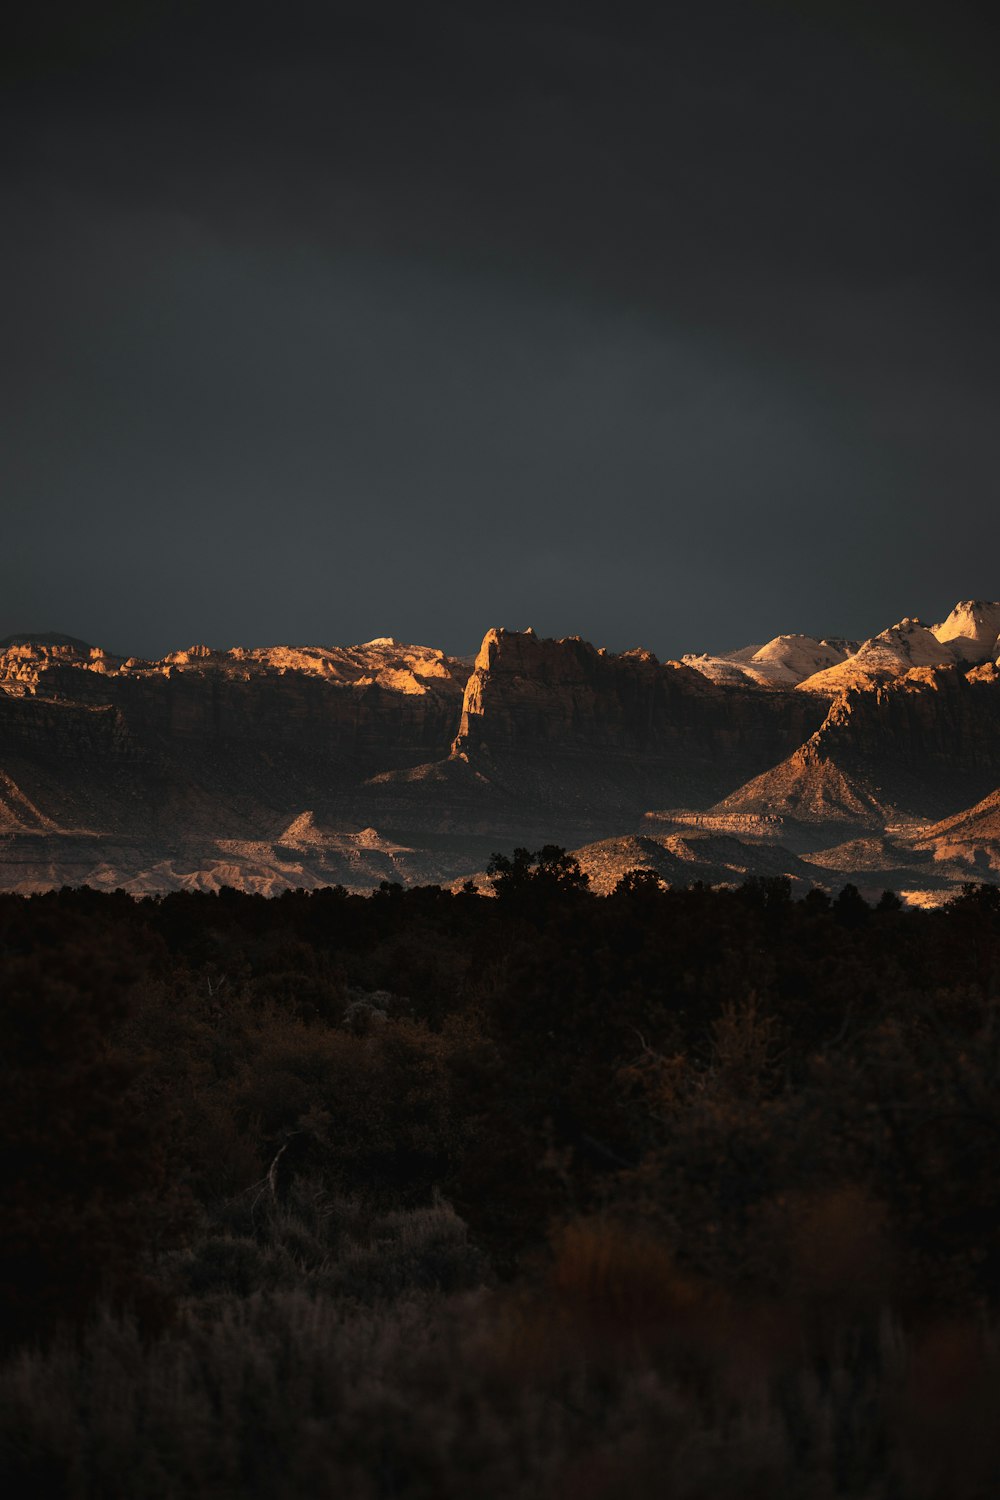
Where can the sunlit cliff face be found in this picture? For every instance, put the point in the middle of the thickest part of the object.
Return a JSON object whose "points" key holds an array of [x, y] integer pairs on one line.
{"points": [[271, 767], [389, 664]]}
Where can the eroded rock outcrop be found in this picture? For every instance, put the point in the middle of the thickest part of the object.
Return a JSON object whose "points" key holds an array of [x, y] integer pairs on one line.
{"points": [[568, 722], [381, 700], [278, 766], [915, 748], [888, 655], [211, 744], [969, 838]]}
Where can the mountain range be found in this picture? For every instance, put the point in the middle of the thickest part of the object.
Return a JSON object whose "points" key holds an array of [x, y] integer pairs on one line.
{"points": [[823, 760]]}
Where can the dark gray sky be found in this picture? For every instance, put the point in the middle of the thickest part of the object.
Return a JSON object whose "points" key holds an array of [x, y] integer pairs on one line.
{"points": [[325, 321]]}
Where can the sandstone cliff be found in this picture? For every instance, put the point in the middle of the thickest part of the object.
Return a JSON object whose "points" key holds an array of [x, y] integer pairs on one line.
{"points": [[969, 839], [212, 744], [382, 699], [917, 747], [286, 766], [570, 724]]}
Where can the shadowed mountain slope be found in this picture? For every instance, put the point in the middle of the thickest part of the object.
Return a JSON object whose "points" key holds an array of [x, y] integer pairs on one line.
{"points": [[915, 748], [285, 766], [571, 725]]}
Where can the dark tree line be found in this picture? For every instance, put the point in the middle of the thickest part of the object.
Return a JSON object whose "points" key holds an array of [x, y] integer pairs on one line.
{"points": [[778, 1091]]}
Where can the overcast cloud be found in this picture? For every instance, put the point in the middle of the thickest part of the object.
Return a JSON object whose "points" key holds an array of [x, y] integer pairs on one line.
{"points": [[329, 321]]}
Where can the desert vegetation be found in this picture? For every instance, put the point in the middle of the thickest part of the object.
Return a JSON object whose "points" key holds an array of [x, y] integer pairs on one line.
{"points": [[531, 1193]]}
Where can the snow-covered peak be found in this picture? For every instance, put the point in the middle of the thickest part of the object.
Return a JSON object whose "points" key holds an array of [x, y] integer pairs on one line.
{"points": [[911, 641], [795, 657], [784, 661], [972, 630], [970, 635], [888, 654]]}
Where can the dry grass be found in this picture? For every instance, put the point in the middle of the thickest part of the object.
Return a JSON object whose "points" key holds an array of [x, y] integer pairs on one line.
{"points": [[295, 1395], [614, 1377]]}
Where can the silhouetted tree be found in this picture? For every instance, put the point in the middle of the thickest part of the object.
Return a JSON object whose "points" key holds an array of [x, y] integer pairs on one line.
{"points": [[546, 870]]}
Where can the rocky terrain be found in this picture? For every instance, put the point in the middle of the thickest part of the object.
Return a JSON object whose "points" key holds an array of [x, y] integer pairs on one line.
{"points": [[824, 760]]}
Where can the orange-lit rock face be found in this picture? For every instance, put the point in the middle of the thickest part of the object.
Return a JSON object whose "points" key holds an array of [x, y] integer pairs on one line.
{"points": [[387, 663], [526, 692], [384, 662], [23, 661], [207, 744], [293, 765], [357, 697], [906, 748], [887, 655]]}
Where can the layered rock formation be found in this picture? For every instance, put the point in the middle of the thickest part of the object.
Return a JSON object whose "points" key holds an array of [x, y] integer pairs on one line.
{"points": [[379, 700], [914, 749], [291, 766], [167, 758], [578, 727], [969, 839]]}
